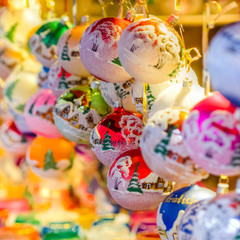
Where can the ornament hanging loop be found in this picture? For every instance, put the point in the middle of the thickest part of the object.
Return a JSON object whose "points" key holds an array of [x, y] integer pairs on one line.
{"points": [[189, 59]]}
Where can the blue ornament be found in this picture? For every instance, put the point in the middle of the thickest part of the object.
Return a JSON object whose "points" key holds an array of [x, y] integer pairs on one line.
{"points": [[172, 209], [223, 62]]}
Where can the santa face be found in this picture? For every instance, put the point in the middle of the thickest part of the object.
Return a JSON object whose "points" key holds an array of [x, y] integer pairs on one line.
{"points": [[98, 50], [150, 50]]}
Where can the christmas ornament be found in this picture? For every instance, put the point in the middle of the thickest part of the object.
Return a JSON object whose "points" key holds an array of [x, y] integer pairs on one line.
{"points": [[133, 185], [78, 111], [68, 51], [50, 158], [17, 23], [219, 219], [99, 50], [184, 95], [222, 62], [171, 210], [60, 80], [211, 132], [116, 133], [12, 140], [20, 86], [150, 50], [112, 92], [42, 78], [10, 57], [186, 225], [44, 42], [163, 148], [39, 114]]}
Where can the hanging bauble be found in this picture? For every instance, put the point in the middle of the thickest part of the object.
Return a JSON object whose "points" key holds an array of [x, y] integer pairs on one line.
{"points": [[68, 51], [99, 50], [42, 78], [112, 92], [44, 42], [211, 132], [78, 111], [118, 132], [163, 148], [14, 141], [39, 114], [223, 64], [133, 185], [50, 158], [17, 23], [219, 219], [150, 50], [20, 86], [10, 57], [184, 95], [60, 80], [171, 210], [186, 225]]}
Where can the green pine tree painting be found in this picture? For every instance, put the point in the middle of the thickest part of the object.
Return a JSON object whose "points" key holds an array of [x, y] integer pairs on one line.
{"points": [[121, 92], [71, 161], [10, 88], [134, 185], [21, 107], [150, 98], [162, 146], [62, 84], [49, 162], [117, 61], [107, 144], [11, 33], [65, 56]]}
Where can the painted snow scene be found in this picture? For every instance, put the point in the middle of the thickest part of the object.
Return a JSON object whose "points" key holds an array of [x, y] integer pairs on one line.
{"points": [[219, 219], [99, 50], [60, 80], [50, 158], [44, 42], [74, 115], [214, 136], [133, 185], [68, 51], [13, 140], [163, 149], [39, 114], [150, 50], [118, 132], [118, 92]]}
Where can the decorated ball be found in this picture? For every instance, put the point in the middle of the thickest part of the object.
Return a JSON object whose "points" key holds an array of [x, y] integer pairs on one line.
{"points": [[150, 50], [164, 151], [112, 92], [50, 158], [186, 225], [43, 43], [211, 131], [219, 219], [42, 78], [133, 185], [60, 80], [39, 114], [78, 111], [10, 57], [68, 51], [14, 141], [99, 50], [178, 95], [20, 86], [222, 62], [172, 209], [118, 132]]}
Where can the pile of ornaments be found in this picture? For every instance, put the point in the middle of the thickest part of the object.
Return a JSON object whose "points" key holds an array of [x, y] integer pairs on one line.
{"points": [[98, 82]]}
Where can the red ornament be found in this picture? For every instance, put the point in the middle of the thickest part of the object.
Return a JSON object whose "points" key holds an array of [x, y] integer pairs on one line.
{"points": [[133, 185], [118, 132]]}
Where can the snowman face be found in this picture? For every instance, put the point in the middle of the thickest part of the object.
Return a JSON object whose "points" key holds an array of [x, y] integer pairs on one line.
{"points": [[46, 54]]}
